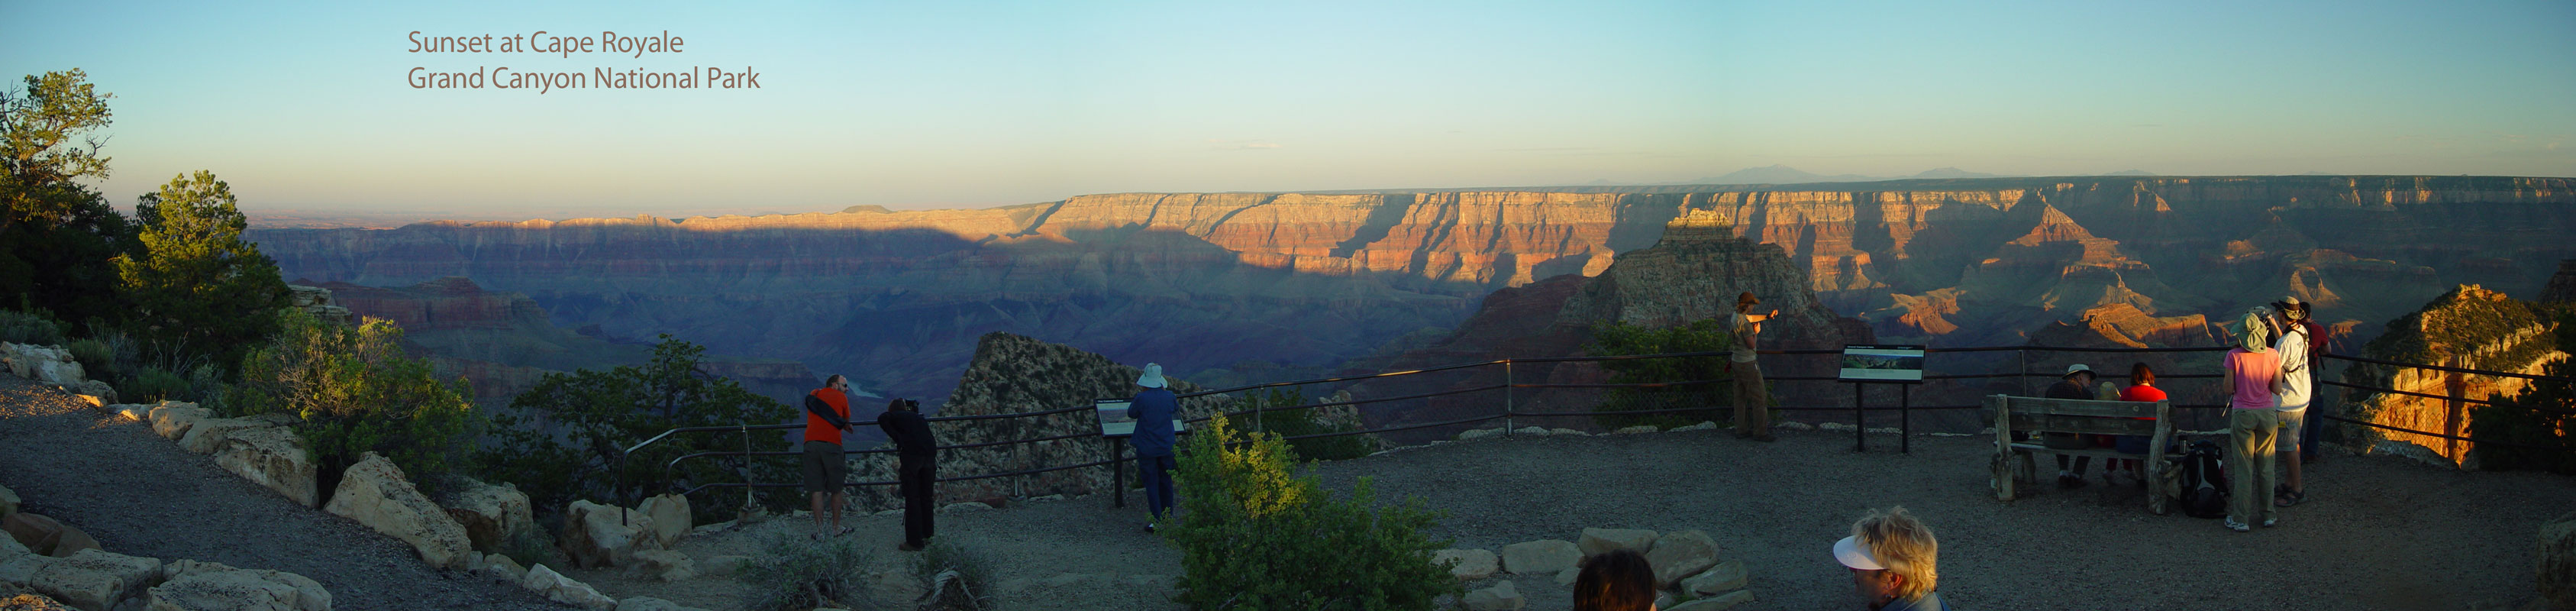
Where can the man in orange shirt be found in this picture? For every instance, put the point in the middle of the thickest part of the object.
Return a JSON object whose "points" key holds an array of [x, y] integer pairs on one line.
{"points": [[827, 417]]}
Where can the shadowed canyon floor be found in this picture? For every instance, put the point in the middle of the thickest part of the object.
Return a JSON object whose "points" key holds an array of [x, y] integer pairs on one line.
{"points": [[141, 495], [2377, 533]]}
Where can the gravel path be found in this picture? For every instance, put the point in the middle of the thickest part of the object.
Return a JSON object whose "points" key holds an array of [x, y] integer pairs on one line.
{"points": [[141, 495], [2377, 533]]}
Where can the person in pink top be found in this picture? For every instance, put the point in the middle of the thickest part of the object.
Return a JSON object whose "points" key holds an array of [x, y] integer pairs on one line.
{"points": [[2253, 427]]}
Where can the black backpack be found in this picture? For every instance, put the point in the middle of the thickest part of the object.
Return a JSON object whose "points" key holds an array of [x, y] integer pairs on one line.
{"points": [[2204, 482]]}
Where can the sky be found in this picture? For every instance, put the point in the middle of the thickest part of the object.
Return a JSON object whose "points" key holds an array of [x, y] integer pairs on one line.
{"points": [[307, 107]]}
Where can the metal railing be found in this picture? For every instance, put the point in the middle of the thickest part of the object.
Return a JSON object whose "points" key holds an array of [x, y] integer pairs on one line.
{"points": [[1510, 411]]}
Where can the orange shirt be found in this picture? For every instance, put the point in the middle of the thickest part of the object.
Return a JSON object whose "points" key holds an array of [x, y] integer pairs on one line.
{"points": [[818, 430]]}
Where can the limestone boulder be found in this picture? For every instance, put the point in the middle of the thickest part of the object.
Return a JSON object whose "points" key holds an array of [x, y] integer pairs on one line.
{"points": [[8, 502], [19, 570], [96, 392], [1595, 541], [128, 412], [1720, 602], [595, 535], [1681, 554], [48, 364], [1540, 557], [274, 458], [492, 515], [663, 564], [2557, 563], [171, 419], [556, 587], [1501, 597], [208, 434], [30, 602], [375, 493], [648, 603], [230, 589], [95, 580], [1726, 576], [503, 567], [46, 536], [894, 586], [671, 520], [1467, 564]]}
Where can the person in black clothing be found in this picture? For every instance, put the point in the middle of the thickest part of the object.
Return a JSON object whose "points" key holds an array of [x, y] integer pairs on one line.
{"points": [[2076, 384], [916, 465]]}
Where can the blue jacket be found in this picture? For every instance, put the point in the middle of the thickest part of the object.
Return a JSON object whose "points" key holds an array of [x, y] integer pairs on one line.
{"points": [[1931, 601], [1153, 411]]}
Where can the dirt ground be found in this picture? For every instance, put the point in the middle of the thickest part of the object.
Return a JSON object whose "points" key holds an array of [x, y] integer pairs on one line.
{"points": [[2377, 533]]}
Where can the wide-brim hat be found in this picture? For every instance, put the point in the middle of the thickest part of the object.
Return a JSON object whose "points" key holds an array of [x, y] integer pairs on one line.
{"points": [[2291, 304], [2077, 368], [1153, 377], [1854, 554], [1747, 299]]}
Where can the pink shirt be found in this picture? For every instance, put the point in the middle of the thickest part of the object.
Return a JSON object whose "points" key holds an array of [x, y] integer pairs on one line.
{"points": [[2253, 373]]}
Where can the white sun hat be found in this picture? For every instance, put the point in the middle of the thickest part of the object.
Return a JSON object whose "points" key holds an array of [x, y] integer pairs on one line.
{"points": [[1153, 377], [1855, 555]]}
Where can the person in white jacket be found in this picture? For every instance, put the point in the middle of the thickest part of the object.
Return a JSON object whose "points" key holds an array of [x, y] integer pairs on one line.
{"points": [[2298, 383]]}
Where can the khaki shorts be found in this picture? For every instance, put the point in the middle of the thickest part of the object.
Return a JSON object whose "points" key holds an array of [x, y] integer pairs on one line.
{"points": [[825, 467], [2291, 423]]}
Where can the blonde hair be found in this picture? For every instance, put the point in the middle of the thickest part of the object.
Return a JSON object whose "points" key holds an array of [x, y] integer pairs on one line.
{"points": [[1904, 545]]}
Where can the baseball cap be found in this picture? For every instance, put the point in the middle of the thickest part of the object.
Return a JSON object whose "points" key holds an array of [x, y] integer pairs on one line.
{"points": [[1854, 554]]}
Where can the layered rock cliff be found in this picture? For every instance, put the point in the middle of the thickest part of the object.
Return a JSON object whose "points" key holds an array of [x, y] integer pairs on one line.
{"points": [[1695, 272], [2469, 327], [504, 343], [1205, 281]]}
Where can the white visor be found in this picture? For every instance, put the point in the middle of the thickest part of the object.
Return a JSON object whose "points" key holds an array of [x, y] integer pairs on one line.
{"points": [[1854, 555]]}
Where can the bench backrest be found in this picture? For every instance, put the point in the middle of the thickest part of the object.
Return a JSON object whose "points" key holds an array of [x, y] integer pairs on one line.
{"points": [[2037, 414]]}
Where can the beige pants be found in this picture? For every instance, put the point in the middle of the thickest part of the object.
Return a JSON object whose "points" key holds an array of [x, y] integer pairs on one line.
{"points": [[2252, 433], [1752, 400]]}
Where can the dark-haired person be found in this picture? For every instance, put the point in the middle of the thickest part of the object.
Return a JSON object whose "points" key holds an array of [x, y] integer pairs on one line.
{"points": [[916, 468], [1153, 408], [2297, 391], [2077, 383], [827, 417], [1893, 559], [1615, 580], [2142, 387], [1752, 398]]}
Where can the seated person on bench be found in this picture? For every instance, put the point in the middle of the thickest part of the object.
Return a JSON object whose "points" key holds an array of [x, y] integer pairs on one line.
{"points": [[2076, 384]]}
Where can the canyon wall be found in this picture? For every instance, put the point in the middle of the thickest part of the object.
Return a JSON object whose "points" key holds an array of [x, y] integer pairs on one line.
{"points": [[1300, 283], [2470, 327]]}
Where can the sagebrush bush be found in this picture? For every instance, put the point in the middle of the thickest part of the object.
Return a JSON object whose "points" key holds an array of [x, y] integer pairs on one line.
{"points": [[97, 361], [959, 580], [566, 437], [793, 573], [1308, 421], [152, 385], [356, 391], [1253, 535], [29, 328]]}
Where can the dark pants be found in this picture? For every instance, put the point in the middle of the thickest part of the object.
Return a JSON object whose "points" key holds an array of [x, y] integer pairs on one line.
{"points": [[913, 476], [2308, 433], [1156, 473]]}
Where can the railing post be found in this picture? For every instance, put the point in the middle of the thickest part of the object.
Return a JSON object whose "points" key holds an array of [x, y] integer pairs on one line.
{"points": [[1507, 396], [747, 497], [2458, 385]]}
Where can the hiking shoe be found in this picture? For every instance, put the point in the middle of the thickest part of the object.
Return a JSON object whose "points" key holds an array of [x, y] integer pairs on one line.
{"points": [[2271, 522], [2234, 525], [2071, 481], [1149, 528], [908, 546]]}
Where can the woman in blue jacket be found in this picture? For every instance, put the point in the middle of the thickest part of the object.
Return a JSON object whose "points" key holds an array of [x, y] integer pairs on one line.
{"points": [[1153, 409]]}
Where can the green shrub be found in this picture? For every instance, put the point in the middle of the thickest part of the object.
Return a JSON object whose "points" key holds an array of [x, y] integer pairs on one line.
{"points": [[793, 573], [152, 385], [356, 392], [1709, 335], [959, 580], [1255, 536], [2538, 416], [1309, 421], [565, 438], [97, 361], [531, 547], [29, 328], [206, 385]]}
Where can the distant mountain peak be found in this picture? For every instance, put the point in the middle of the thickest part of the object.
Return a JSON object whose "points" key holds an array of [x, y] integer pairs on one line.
{"points": [[1952, 172]]}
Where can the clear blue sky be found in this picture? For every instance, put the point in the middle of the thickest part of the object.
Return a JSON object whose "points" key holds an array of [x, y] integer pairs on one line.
{"points": [[914, 105]]}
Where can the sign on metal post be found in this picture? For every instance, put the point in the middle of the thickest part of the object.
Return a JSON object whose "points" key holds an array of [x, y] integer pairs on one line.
{"points": [[1867, 364]]}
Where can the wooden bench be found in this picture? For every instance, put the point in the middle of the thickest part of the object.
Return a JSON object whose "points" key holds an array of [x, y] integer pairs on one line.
{"points": [[2034, 415]]}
